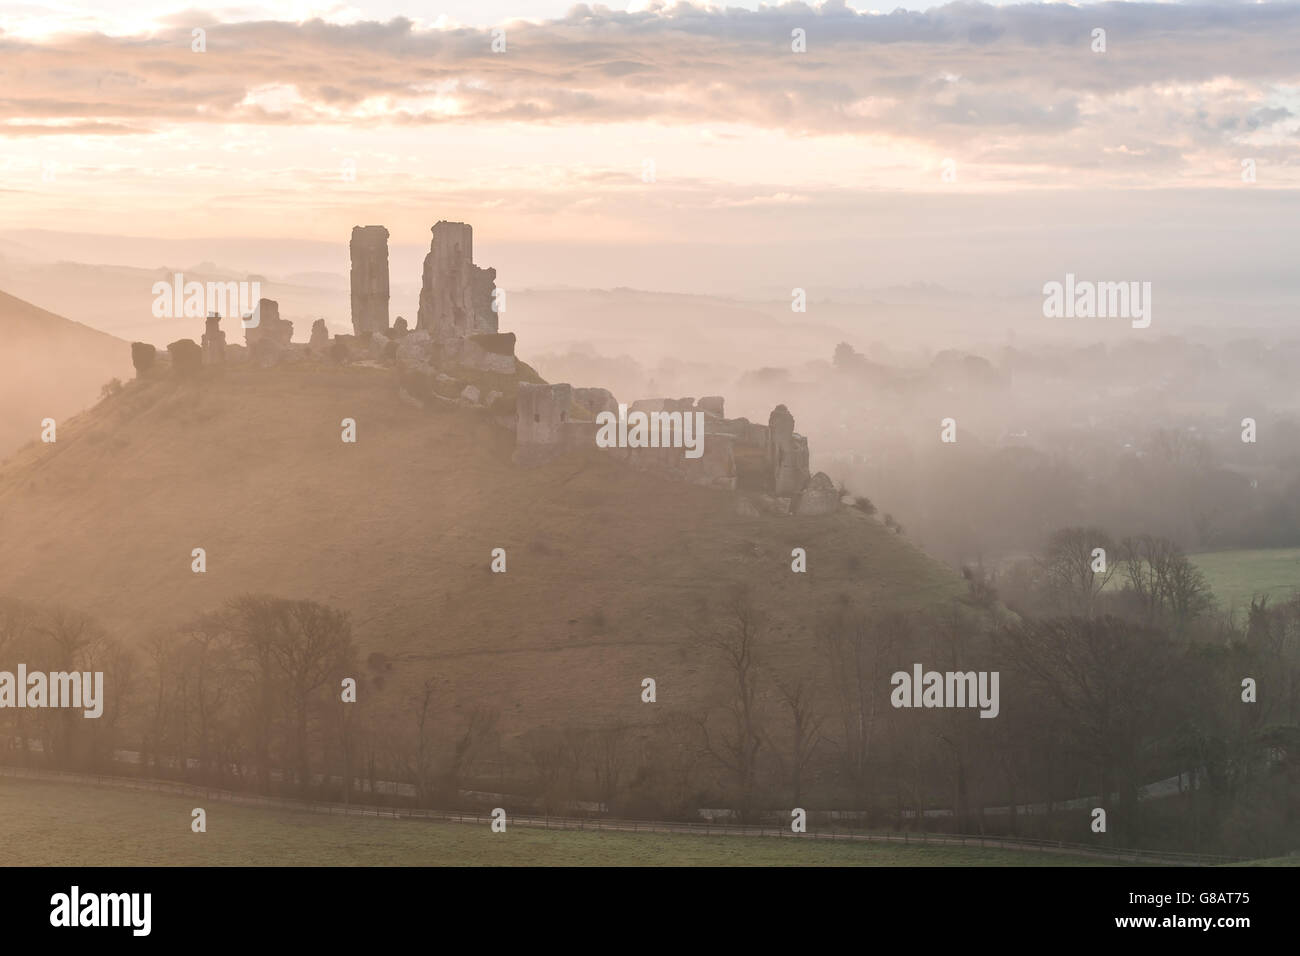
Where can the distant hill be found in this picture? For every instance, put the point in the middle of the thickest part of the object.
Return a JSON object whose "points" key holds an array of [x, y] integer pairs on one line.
{"points": [[50, 367], [606, 566]]}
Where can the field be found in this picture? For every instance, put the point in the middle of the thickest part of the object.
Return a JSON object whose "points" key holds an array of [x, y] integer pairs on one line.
{"points": [[56, 824], [1235, 576]]}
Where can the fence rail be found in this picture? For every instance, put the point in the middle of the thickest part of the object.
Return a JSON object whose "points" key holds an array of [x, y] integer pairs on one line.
{"points": [[921, 838]]}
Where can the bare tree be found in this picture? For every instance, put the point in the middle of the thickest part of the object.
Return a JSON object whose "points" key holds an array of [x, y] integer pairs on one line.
{"points": [[805, 731], [1167, 587], [736, 744], [314, 646], [1108, 680], [256, 621], [861, 652], [418, 761], [17, 632], [478, 736], [69, 637], [1068, 569], [610, 761]]}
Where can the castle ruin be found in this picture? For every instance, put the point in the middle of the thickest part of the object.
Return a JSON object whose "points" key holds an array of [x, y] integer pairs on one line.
{"points": [[456, 296], [456, 356], [369, 277]]}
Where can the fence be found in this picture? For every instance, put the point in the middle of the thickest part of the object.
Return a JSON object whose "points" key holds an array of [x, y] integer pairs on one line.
{"points": [[921, 838]]}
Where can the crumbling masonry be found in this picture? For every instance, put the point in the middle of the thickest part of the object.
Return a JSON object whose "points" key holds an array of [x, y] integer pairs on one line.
{"points": [[369, 251], [456, 356]]}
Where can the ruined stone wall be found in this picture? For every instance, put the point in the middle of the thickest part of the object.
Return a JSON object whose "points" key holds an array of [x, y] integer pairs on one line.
{"points": [[596, 400], [541, 411], [369, 250], [456, 295], [716, 468], [768, 461]]}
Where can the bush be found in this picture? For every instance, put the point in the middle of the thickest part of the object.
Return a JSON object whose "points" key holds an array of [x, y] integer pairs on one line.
{"points": [[864, 505], [111, 388]]}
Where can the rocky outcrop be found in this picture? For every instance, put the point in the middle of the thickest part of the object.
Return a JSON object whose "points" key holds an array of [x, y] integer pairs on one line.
{"points": [[369, 251], [456, 295]]}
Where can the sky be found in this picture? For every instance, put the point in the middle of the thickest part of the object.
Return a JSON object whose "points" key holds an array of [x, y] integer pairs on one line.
{"points": [[646, 123]]}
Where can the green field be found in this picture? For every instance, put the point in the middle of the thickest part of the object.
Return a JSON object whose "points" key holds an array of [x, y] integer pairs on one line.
{"points": [[58, 824], [1236, 576]]}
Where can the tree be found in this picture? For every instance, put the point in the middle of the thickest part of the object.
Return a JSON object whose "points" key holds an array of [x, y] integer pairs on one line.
{"points": [[1166, 586], [313, 648], [479, 734], [609, 761], [736, 744], [805, 731], [254, 620], [418, 761], [69, 638], [17, 633], [1068, 569], [1104, 682], [860, 652]]}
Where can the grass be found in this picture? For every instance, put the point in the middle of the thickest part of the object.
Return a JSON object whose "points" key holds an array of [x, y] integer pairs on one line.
{"points": [[1236, 576], [1273, 861], [56, 824]]}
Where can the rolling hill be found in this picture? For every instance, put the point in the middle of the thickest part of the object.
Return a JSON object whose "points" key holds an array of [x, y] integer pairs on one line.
{"points": [[606, 566], [50, 367]]}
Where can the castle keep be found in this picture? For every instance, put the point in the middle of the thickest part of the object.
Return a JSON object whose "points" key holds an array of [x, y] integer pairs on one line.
{"points": [[456, 356]]}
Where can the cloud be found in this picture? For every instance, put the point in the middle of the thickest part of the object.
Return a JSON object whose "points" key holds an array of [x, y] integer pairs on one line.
{"points": [[965, 78]]}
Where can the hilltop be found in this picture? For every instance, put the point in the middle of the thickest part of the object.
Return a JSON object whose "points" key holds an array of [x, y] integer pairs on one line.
{"points": [[606, 564]]}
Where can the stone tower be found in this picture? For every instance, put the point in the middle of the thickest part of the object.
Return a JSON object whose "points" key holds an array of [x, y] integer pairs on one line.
{"points": [[456, 295], [787, 454], [369, 249], [214, 341]]}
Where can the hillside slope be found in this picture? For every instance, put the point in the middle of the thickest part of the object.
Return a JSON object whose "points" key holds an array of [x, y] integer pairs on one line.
{"points": [[606, 566], [50, 367]]}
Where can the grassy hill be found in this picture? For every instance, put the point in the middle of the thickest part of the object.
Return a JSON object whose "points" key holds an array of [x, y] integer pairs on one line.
{"points": [[50, 367], [606, 566]]}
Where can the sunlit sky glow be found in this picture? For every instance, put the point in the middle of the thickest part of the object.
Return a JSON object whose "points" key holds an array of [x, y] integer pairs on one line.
{"points": [[301, 119]]}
